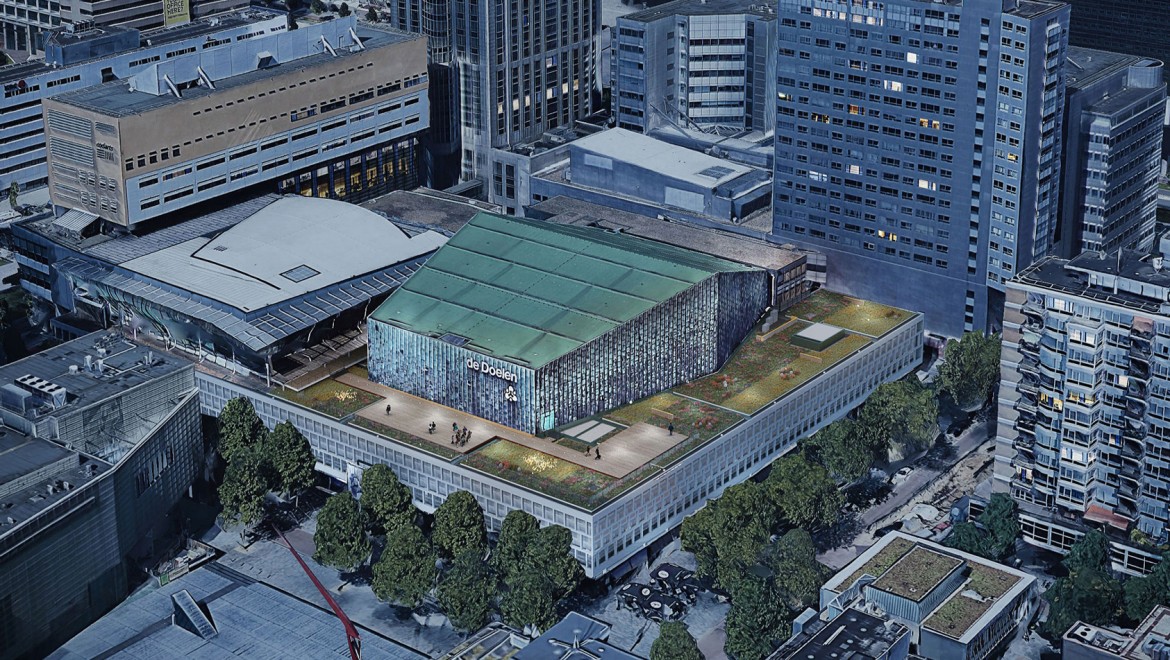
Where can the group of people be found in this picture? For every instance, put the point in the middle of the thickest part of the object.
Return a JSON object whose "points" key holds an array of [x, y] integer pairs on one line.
{"points": [[596, 452], [459, 436]]}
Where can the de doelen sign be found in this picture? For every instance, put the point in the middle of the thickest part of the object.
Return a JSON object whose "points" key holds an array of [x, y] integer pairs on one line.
{"points": [[484, 367]]}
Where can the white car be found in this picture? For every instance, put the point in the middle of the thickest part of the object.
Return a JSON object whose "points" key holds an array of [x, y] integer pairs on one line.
{"points": [[901, 475]]}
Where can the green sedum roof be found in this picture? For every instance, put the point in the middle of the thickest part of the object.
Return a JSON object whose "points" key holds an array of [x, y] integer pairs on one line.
{"points": [[529, 292]]}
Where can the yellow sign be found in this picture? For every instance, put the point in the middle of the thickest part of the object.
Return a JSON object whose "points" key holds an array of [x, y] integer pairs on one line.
{"points": [[176, 12]]}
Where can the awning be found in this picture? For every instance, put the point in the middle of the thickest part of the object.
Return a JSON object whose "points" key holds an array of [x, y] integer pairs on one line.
{"points": [[1096, 513]]}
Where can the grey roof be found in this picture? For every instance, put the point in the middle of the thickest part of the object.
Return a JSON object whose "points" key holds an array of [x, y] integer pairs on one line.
{"points": [[853, 634], [1086, 65], [430, 209], [680, 163], [703, 8], [74, 220], [116, 99], [251, 620], [575, 637]]}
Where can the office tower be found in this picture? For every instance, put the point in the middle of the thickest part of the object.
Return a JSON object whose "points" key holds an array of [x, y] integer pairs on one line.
{"points": [[917, 145], [1082, 437], [702, 64], [23, 23], [523, 68], [1135, 27], [1112, 151], [336, 114]]}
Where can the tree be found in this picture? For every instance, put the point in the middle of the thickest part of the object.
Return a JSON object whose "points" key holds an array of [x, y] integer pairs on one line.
{"points": [[516, 534], [1091, 551], [841, 449], [246, 481], [757, 617], [387, 501], [729, 533], [343, 11], [239, 427], [13, 195], [550, 554], [970, 369], [804, 493], [529, 601], [317, 6], [969, 538], [291, 458], [1144, 593], [466, 592], [372, 15], [459, 525], [999, 519], [1088, 595], [797, 573], [406, 571], [341, 533], [675, 643], [902, 413]]}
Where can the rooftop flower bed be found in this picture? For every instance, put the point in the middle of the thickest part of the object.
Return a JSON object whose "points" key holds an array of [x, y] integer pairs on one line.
{"points": [[759, 372], [915, 574], [958, 614], [405, 438], [864, 316], [881, 562], [542, 472], [331, 398]]}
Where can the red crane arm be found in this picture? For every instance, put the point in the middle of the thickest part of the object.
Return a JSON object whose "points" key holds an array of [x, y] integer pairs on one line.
{"points": [[351, 633]]}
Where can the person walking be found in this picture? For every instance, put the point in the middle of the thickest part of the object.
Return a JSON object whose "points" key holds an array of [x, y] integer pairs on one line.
{"points": [[670, 427], [597, 454], [387, 409], [431, 428]]}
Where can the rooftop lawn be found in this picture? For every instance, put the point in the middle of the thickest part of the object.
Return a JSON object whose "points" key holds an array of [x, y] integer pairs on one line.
{"points": [[541, 472], [958, 614], [915, 574], [864, 316], [881, 562], [689, 416], [330, 397], [405, 438], [759, 372]]}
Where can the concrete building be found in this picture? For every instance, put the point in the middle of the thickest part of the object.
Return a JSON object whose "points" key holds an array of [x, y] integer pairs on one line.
{"points": [[1081, 427], [337, 114], [886, 113], [535, 325], [87, 56], [1134, 27], [1112, 152], [218, 612], [513, 71], [852, 631], [702, 64], [219, 287], [101, 439], [1149, 641], [955, 605]]}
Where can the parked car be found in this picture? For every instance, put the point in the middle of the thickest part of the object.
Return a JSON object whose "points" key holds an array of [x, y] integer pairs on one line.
{"points": [[901, 475]]}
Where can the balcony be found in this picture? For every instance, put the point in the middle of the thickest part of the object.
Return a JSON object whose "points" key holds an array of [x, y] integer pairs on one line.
{"points": [[1134, 430], [1126, 508], [1033, 313], [1135, 409], [1030, 365], [1137, 390], [1142, 330]]}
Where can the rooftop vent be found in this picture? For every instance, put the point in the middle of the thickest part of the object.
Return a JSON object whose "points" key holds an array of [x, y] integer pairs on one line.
{"points": [[189, 616], [50, 393]]}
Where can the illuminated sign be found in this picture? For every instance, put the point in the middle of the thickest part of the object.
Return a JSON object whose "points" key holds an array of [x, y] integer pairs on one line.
{"points": [[485, 368]]}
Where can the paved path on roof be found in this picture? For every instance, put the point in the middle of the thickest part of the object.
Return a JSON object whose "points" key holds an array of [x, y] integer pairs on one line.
{"points": [[621, 454]]}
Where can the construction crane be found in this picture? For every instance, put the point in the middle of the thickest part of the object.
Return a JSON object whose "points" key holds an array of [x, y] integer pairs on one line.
{"points": [[352, 637]]}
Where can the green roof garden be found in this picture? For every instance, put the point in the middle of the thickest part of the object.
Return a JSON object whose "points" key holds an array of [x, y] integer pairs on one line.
{"points": [[853, 314], [917, 573], [529, 292], [880, 562], [956, 616]]}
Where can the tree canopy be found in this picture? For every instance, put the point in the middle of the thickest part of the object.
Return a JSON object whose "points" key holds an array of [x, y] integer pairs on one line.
{"points": [[841, 448], [969, 538], [550, 554], [239, 427], [467, 591], [1088, 595], [675, 643], [970, 369], [386, 499], [902, 413], [805, 494], [728, 534], [459, 525], [291, 458], [758, 616], [997, 538], [516, 534], [529, 600], [1143, 594], [406, 570], [1091, 551], [246, 481], [341, 533], [797, 573]]}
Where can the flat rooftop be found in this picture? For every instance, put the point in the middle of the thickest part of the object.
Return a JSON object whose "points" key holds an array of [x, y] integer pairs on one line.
{"points": [[1084, 66], [245, 267], [853, 634], [116, 99], [917, 573], [702, 8], [60, 471], [694, 167], [248, 619], [1091, 275], [429, 209], [748, 251], [529, 292]]}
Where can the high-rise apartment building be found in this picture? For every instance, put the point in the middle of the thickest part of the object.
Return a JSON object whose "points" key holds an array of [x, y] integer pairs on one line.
{"points": [[1112, 141], [1084, 417], [522, 68], [917, 145], [1135, 27], [702, 64], [337, 113]]}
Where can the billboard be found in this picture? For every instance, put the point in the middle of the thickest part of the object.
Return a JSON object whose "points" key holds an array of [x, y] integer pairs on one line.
{"points": [[176, 12]]}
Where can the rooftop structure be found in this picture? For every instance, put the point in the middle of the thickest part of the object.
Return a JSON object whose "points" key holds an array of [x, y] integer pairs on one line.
{"points": [[852, 634], [1127, 26], [955, 604], [216, 612], [1149, 641], [440, 211], [575, 637]]}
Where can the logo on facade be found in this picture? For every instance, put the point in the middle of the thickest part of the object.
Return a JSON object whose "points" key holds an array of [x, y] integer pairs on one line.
{"points": [[485, 368]]}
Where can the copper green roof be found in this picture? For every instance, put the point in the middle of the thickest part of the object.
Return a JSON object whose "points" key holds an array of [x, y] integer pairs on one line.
{"points": [[529, 292]]}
